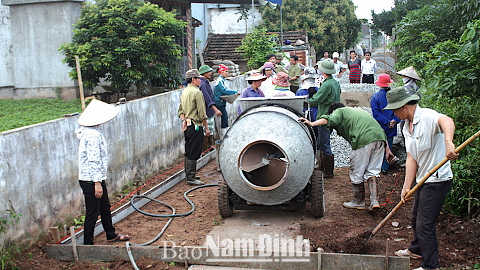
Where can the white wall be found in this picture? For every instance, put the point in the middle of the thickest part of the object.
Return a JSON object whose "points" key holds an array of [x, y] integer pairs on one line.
{"points": [[6, 57], [220, 22], [225, 22], [39, 166]]}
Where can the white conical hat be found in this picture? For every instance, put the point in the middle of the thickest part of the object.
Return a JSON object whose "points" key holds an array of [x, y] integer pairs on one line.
{"points": [[97, 113], [410, 72]]}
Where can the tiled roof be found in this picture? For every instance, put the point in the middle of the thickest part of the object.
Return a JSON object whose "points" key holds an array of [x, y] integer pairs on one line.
{"points": [[222, 46]]}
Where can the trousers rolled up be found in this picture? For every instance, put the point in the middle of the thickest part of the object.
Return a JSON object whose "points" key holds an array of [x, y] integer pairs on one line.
{"points": [[366, 161], [224, 117], [94, 207]]}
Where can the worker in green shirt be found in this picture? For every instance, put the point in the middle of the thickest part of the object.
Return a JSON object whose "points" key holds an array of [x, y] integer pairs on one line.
{"points": [[294, 72], [328, 94], [368, 142], [278, 64]]}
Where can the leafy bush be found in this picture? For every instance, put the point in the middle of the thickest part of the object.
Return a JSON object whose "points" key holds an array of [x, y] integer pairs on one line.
{"points": [[8, 251], [256, 46], [331, 24], [19, 113], [127, 42], [452, 88], [466, 185]]}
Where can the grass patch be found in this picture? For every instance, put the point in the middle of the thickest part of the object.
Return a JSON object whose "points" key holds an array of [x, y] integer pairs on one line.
{"points": [[24, 112]]}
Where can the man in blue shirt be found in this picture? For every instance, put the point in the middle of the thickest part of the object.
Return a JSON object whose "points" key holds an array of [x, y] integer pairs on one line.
{"points": [[206, 73], [255, 80], [387, 120]]}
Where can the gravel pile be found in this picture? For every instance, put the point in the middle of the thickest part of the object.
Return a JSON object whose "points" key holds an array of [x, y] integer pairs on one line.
{"points": [[378, 56], [390, 64], [359, 87]]}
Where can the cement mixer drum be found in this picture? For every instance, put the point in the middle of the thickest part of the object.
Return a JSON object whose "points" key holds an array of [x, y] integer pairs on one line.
{"points": [[267, 158]]}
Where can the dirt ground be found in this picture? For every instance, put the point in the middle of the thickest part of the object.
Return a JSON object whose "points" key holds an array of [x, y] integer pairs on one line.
{"points": [[459, 239]]}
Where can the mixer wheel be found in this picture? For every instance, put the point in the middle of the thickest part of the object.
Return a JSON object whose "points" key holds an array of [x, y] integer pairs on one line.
{"points": [[225, 206], [316, 194]]}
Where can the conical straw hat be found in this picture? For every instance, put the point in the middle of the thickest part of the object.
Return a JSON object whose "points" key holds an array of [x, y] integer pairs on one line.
{"points": [[97, 113], [410, 72]]}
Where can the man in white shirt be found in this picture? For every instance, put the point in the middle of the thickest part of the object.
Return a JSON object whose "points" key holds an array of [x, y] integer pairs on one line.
{"points": [[325, 57], [369, 68], [428, 140], [339, 66]]}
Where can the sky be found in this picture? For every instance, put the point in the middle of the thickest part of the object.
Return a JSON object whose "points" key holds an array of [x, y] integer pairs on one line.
{"points": [[364, 7]]}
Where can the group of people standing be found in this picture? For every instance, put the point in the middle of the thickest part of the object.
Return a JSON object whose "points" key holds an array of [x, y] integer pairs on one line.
{"points": [[428, 139], [361, 69], [428, 134]]}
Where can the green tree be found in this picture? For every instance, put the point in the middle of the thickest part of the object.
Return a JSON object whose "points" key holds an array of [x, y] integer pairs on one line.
{"points": [[449, 60], [331, 24], [383, 22], [256, 46], [244, 11], [452, 76], [424, 28], [127, 42], [386, 20]]}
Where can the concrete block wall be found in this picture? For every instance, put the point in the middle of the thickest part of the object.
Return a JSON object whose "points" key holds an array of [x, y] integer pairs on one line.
{"points": [[39, 166], [38, 28]]}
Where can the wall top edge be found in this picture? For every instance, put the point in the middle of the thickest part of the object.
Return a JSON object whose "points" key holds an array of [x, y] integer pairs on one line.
{"points": [[25, 2]]}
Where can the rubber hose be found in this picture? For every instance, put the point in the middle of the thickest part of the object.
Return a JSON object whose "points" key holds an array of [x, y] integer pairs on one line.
{"points": [[172, 216]]}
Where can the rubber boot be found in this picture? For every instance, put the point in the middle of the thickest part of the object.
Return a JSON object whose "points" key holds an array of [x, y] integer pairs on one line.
{"points": [[372, 185], [328, 163], [319, 162], [211, 141], [190, 170], [358, 201], [217, 154], [185, 163], [206, 143]]}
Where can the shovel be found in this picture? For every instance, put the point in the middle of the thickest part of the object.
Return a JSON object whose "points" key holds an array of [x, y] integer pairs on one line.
{"points": [[420, 183]]}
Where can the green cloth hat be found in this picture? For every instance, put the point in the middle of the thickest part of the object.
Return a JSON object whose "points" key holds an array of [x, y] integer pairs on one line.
{"points": [[327, 66], [397, 97], [279, 56], [204, 69]]}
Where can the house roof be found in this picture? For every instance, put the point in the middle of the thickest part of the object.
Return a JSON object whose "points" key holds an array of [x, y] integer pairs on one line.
{"points": [[223, 46]]}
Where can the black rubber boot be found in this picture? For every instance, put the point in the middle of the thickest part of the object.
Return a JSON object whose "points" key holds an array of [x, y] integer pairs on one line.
{"points": [[185, 163], [329, 164], [319, 165], [191, 165]]}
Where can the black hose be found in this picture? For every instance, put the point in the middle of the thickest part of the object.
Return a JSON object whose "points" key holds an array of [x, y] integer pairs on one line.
{"points": [[172, 216]]}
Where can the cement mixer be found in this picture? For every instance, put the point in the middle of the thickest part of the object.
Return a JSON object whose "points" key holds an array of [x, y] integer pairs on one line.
{"points": [[267, 159]]}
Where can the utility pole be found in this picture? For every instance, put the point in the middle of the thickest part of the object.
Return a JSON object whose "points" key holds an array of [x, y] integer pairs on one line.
{"points": [[253, 15]]}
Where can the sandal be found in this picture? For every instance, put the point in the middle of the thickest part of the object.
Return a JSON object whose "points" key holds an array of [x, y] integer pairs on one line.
{"points": [[120, 238], [408, 254]]}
